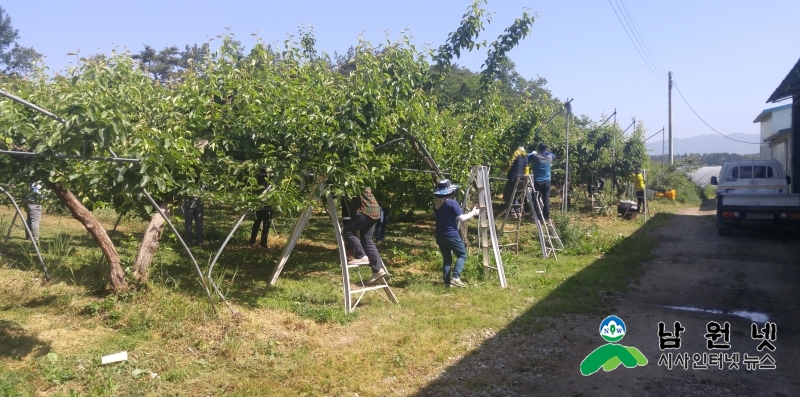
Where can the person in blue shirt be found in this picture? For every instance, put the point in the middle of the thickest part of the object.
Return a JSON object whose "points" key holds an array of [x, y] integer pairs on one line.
{"points": [[448, 214], [540, 161]]}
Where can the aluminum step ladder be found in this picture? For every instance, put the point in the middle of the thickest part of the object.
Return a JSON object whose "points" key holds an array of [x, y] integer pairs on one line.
{"points": [[520, 197], [524, 194], [302, 221], [548, 234], [361, 287], [487, 232]]}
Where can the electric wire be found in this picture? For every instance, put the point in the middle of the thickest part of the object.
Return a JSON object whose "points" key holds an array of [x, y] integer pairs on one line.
{"points": [[629, 23], [634, 44], [641, 39], [708, 125]]}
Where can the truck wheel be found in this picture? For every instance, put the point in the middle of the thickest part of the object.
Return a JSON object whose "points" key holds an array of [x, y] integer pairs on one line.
{"points": [[722, 231]]}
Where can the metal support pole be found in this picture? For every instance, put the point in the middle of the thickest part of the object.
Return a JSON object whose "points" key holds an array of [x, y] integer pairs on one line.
{"points": [[32, 106], [64, 156], [185, 247], [119, 219], [669, 91], [316, 193], [646, 206], [565, 195], [28, 230], [219, 252], [10, 227]]}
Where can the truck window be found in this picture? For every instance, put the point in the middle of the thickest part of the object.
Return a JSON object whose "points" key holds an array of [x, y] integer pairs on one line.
{"points": [[745, 172], [735, 172], [770, 174], [759, 171]]}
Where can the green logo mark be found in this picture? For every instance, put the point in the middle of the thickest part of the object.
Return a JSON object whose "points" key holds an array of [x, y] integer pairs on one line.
{"points": [[611, 355]]}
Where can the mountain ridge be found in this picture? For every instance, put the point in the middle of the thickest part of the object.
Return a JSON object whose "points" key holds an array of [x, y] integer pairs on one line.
{"points": [[709, 143]]}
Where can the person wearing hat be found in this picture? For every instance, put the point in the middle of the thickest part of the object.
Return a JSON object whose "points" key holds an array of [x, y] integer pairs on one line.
{"points": [[364, 213], [541, 160], [448, 214], [516, 167], [638, 185]]}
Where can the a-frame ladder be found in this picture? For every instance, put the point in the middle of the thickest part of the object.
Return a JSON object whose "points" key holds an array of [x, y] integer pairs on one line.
{"points": [[361, 286], [520, 196], [525, 193], [487, 233], [349, 304]]}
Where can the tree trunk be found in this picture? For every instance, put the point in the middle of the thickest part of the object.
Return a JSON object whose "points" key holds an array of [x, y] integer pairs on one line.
{"points": [[149, 246], [84, 216]]}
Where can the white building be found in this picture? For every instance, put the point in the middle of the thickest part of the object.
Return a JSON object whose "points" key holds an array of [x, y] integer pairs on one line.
{"points": [[776, 130]]}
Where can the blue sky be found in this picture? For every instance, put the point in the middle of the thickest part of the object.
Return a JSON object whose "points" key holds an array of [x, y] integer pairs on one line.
{"points": [[726, 56]]}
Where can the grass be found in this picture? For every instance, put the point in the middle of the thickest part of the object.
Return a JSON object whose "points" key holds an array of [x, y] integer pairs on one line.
{"points": [[293, 338]]}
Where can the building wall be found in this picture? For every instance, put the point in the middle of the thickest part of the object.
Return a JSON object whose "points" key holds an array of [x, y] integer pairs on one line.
{"points": [[780, 152], [777, 120], [781, 119], [766, 127]]}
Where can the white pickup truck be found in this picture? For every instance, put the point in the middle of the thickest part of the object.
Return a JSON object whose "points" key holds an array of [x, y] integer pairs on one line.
{"points": [[755, 193]]}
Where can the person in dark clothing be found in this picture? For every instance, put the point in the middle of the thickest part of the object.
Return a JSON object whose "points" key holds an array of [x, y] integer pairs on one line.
{"points": [[541, 161], [263, 215], [516, 167], [193, 211], [364, 213], [380, 226]]}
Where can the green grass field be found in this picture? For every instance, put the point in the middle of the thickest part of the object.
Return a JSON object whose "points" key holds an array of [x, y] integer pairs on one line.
{"points": [[293, 338]]}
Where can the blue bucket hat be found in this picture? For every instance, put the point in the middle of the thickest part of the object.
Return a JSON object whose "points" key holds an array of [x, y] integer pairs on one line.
{"points": [[444, 188]]}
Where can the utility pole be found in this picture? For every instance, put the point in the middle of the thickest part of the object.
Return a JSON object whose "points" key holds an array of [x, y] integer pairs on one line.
{"points": [[663, 143], [565, 195], [669, 90]]}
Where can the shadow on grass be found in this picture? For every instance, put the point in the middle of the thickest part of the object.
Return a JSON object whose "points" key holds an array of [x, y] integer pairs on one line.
{"points": [[581, 293], [16, 342]]}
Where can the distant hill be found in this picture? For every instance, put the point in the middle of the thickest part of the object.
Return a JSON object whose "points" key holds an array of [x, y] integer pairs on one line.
{"points": [[708, 144]]}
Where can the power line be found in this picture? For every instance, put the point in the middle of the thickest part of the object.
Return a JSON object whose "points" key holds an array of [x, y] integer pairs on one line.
{"points": [[628, 21], [709, 126], [634, 43], [641, 39]]}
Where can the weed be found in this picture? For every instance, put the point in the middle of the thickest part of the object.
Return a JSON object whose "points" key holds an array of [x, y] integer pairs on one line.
{"points": [[220, 277], [709, 192], [54, 370], [12, 384]]}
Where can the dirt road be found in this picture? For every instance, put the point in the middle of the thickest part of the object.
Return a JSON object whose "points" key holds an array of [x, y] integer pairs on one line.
{"points": [[695, 277]]}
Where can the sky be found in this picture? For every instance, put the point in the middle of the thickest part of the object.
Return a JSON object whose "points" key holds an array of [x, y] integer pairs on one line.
{"points": [[727, 56]]}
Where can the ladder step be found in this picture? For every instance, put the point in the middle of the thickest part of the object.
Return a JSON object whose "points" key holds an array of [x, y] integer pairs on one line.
{"points": [[355, 266], [365, 289]]}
